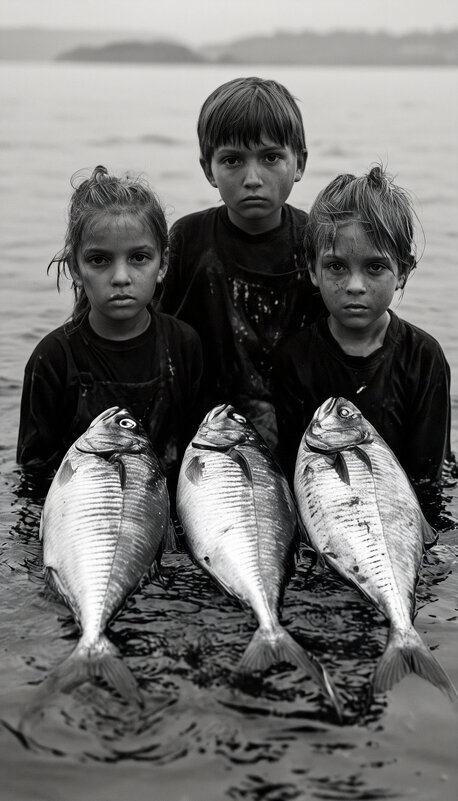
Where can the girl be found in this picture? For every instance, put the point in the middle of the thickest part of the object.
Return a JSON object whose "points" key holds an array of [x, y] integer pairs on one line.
{"points": [[115, 350], [359, 248]]}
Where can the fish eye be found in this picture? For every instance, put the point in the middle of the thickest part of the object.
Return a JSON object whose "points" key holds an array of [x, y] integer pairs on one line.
{"points": [[238, 418], [126, 422], [345, 412]]}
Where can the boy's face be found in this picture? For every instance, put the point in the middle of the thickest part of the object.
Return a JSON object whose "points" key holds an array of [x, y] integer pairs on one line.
{"points": [[254, 182], [356, 281]]}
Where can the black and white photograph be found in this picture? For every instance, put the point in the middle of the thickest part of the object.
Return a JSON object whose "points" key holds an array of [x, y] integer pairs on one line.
{"points": [[229, 393]]}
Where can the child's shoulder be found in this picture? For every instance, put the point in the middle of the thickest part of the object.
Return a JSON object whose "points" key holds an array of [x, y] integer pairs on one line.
{"points": [[51, 352], [178, 330], [195, 219], [413, 336]]}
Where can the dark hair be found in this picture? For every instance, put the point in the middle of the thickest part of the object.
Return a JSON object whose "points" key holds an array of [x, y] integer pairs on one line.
{"points": [[245, 110], [104, 193], [384, 209]]}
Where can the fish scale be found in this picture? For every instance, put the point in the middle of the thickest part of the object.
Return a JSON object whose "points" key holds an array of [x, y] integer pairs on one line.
{"points": [[239, 521], [363, 518], [103, 522]]}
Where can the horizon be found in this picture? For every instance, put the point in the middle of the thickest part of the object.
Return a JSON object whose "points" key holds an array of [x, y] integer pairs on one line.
{"points": [[211, 22]]}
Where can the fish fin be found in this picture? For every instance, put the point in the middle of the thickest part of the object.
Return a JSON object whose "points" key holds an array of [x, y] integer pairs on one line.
{"points": [[409, 654], [170, 541], [364, 456], [340, 466], [263, 651], [194, 470], [242, 462], [53, 581], [65, 473], [121, 468], [430, 535], [84, 664]]}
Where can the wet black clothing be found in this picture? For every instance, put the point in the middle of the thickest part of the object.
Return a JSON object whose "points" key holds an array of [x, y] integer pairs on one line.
{"points": [[403, 389], [242, 293], [73, 375]]}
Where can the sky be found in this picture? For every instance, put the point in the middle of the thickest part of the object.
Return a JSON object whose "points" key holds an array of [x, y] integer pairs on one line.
{"points": [[199, 22]]}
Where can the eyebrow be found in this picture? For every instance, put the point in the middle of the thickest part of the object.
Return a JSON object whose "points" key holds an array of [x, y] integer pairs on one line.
{"points": [[227, 149]]}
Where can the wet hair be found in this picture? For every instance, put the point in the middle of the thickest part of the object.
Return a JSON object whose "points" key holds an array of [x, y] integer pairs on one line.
{"points": [[103, 193], [245, 110], [383, 208]]}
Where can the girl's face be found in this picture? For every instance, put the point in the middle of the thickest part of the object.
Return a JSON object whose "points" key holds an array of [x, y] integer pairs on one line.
{"points": [[357, 282], [119, 263]]}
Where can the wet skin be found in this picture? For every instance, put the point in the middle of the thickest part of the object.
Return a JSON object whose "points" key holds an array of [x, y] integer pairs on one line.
{"points": [[357, 283], [119, 263], [254, 182]]}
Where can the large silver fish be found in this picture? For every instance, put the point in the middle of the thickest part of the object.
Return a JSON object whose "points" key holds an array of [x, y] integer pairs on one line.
{"points": [[103, 522], [239, 520], [363, 517]]}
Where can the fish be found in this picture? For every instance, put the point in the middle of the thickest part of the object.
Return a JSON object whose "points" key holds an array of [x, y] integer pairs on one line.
{"points": [[362, 517], [103, 523], [239, 521]]}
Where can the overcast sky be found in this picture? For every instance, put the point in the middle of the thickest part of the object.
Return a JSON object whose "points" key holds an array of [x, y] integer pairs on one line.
{"points": [[206, 21]]}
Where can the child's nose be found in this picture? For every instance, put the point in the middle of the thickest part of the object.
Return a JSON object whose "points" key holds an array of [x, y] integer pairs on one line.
{"points": [[252, 176], [121, 274], [356, 283]]}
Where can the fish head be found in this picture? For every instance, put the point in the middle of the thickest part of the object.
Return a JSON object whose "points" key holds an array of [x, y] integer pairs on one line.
{"points": [[223, 428], [337, 424], [113, 431]]}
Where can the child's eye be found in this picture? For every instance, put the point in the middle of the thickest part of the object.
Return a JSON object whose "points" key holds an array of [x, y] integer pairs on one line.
{"points": [[231, 161], [335, 267], [272, 158], [376, 268], [139, 258], [98, 261]]}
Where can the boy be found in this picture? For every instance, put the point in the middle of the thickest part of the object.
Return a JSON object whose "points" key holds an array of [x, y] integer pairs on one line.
{"points": [[360, 249], [236, 271]]}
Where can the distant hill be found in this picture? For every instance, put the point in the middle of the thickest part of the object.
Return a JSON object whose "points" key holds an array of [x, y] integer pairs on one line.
{"points": [[341, 47], [135, 53], [335, 48], [44, 44]]}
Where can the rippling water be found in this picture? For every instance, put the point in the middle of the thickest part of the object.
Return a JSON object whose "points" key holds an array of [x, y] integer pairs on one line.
{"points": [[205, 734]]}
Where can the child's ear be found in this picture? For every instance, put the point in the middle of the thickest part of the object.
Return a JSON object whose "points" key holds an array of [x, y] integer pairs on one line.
{"points": [[208, 172], [164, 266], [401, 282], [312, 275], [75, 274], [301, 162]]}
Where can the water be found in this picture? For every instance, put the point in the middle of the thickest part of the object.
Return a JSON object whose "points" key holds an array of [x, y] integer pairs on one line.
{"points": [[205, 735]]}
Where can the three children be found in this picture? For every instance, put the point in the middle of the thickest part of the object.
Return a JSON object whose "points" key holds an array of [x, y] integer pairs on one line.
{"points": [[240, 276]]}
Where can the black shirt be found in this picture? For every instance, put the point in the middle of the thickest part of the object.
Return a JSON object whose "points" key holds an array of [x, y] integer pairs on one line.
{"points": [[403, 389], [242, 293], [73, 375]]}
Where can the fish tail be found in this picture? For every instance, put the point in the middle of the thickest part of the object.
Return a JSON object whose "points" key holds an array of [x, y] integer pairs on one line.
{"points": [[263, 650], [100, 659], [409, 654]]}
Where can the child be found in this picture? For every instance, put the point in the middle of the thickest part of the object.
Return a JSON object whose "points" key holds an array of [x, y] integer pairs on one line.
{"points": [[115, 350], [237, 275], [359, 248]]}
